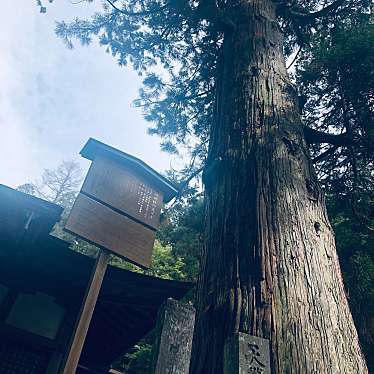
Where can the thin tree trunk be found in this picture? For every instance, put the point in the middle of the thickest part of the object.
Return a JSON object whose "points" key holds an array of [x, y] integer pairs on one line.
{"points": [[269, 264]]}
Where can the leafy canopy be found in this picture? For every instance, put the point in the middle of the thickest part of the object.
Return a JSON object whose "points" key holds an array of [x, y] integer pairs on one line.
{"points": [[336, 73], [175, 45]]}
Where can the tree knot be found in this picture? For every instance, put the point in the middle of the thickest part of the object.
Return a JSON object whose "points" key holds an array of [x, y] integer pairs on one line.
{"points": [[292, 147]]}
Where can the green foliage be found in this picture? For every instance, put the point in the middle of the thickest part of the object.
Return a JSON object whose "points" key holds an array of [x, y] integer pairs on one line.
{"points": [[182, 231], [138, 360], [165, 264], [361, 280], [337, 76], [177, 95], [175, 256]]}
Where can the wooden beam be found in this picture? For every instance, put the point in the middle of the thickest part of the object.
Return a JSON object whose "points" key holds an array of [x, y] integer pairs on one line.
{"points": [[85, 315]]}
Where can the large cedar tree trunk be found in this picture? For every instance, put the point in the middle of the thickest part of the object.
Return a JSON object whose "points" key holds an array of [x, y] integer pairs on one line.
{"points": [[269, 264]]}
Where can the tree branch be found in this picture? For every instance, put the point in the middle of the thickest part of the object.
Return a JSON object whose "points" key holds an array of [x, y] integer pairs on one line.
{"points": [[135, 14], [295, 58], [315, 137], [206, 10], [325, 154], [209, 10], [186, 181], [296, 13], [184, 184]]}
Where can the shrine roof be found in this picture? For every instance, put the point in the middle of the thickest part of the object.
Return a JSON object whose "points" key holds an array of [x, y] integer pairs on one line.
{"points": [[128, 303]]}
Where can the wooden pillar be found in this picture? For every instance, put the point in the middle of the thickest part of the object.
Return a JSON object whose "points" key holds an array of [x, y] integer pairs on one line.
{"points": [[174, 332], [246, 354], [85, 315]]}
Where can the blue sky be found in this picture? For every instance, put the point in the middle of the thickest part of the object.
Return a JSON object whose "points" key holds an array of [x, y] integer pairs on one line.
{"points": [[53, 99]]}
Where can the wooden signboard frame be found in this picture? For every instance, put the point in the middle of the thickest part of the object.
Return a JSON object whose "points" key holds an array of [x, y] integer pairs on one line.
{"points": [[118, 210]]}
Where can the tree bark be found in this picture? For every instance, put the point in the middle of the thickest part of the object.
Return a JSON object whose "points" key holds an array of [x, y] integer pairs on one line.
{"points": [[269, 266]]}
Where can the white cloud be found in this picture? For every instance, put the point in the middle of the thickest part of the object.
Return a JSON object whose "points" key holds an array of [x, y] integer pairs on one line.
{"points": [[53, 99]]}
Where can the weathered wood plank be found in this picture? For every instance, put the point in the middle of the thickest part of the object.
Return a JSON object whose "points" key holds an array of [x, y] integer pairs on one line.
{"points": [[108, 229], [124, 190], [174, 332]]}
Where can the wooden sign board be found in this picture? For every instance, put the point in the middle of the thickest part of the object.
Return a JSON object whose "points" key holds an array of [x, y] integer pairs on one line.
{"points": [[118, 209], [111, 183], [101, 225]]}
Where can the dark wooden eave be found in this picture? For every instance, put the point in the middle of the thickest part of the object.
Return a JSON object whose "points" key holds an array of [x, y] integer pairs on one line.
{"points": [[127, 305], [23, 215]]}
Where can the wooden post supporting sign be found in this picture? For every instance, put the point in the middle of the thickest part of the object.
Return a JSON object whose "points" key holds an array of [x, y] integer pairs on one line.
{"points": [[85, 315]]}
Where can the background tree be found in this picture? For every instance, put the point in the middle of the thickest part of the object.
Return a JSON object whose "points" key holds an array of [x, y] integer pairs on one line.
{"points": [[59, 186], [269, 264], [336, 73], [181, 230]]}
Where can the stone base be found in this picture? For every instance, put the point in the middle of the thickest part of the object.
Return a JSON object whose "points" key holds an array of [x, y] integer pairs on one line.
{"points": [[174, 333]]}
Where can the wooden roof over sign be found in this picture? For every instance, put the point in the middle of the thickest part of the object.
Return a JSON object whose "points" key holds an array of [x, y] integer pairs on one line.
{"points": [[94, 148]]}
